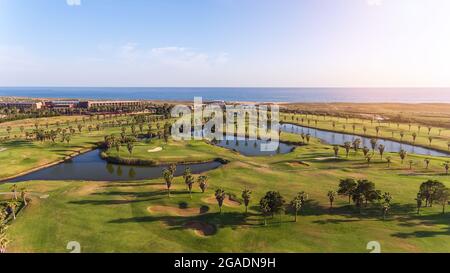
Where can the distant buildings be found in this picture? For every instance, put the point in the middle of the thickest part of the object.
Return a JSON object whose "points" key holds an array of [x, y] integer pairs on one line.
{"points": [[22, 105], [109, 103], [69, 104]]}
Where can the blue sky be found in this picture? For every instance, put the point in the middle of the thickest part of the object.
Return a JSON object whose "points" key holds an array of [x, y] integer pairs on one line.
{"points": [[224, 43]]}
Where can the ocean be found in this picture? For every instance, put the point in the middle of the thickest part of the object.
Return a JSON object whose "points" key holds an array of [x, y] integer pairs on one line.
{"points": [[406, 95]]}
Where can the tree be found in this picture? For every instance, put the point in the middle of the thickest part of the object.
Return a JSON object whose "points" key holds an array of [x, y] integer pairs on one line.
{"points": [[347, 146], [411, 162], [265, 209], [356, 143], [130, 147], [419, 199], [373, 143], [402, 155], [346, 187], [331, 196], [189, 180], [23, 195], [296, 205], [203, 182], [430, 139], [414, 136], [172, 168], [364, 191], [446, 166], [220, 197], [246, 195], [381, 149], [275, 202], [368, 159], [427, 162], [365, 151], [14, 191], [389, 161], [442, 197], [336, 150], [168, 178], [428, 191], [386, 206]]}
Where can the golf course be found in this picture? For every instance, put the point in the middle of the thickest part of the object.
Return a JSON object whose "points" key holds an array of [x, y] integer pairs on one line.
{"points": [[206, 211]]}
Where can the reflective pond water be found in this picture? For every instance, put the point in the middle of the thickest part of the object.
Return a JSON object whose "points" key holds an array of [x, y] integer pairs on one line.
{"points": [[91, 167], [252, 147], [340, 138]]}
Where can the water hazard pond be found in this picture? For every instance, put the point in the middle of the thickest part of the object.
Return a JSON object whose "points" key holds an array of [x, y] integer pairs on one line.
{"points": [[340, 138], [91, 167]]}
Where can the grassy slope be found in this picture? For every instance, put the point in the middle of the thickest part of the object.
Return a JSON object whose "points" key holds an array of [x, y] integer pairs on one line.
{"points": [[113, 217]]}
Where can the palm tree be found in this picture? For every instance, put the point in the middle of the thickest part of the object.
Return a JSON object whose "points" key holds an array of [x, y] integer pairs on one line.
{"points": [[220, 197], [336, 151], [386, 203], [414, 136], [246, 195], [402, 155], [368, 159], [172, 168], [389, 161], [23, 195], [347, 146], [411, 164], [14, 191], [203, 183], [427, 162], [430, 139], [331, 196], [419, 199], [189, 180], [356, 143], [168, 178], [365, 151], [446, 166], [130, 147], [381, 149], [373, 143]]}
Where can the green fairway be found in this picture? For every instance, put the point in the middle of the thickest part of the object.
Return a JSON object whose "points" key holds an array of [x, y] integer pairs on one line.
{"points": [[118, 216]]}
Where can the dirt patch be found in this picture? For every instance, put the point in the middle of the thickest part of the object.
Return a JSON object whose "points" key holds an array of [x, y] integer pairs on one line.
{"points": [[201, 229], [229, 202], [2, 149], [154, 150], [175, 211]]}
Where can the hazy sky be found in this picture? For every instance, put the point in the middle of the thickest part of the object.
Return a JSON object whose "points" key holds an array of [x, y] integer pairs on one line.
{"points": [[225, 43]]}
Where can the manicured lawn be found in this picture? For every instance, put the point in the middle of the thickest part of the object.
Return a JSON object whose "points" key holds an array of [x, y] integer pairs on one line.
{"points": [[114, 216], [387, 130]]}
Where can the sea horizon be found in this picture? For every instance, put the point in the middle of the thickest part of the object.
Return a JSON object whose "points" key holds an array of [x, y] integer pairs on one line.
{"points": [[251, 94]]}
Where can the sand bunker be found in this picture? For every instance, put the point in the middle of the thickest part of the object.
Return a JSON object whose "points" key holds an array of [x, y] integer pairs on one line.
{"points": [[2, 149], [45, 196], [174, 211], [154, 150], [227, 202], [324, 158], [201, 229]]}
